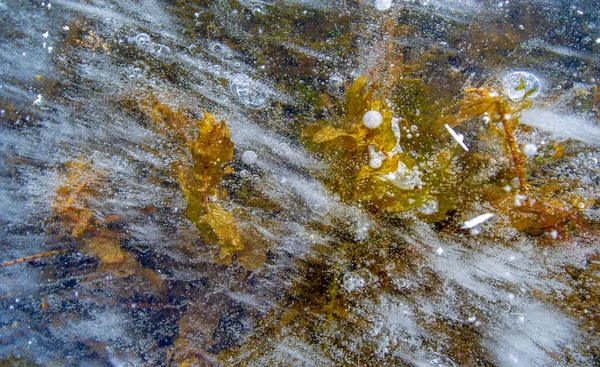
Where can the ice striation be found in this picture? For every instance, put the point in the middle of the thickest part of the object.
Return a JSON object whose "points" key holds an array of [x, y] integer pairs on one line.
{"points": [[101, 264]]}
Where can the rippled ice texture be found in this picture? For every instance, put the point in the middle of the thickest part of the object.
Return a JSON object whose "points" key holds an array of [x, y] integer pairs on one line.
{"points": [[68, 70]]}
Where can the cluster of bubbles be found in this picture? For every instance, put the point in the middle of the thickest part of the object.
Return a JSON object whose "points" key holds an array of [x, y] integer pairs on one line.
{"points": [[335, 85], [144, 42], [134, 74], [404, 177], [248, 91], [356, 279], [430, 206]]}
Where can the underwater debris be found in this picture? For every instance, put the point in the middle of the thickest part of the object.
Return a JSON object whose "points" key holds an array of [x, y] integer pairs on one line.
{"points": [[459, 138], [474, 222]]}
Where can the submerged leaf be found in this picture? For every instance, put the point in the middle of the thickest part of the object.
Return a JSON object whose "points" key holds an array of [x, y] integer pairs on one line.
{"points": [[356, 99], [222, 225]]}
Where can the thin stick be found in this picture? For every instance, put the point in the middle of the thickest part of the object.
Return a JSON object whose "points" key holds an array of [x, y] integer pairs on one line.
{"points": [[32, 257], [516, 155]]}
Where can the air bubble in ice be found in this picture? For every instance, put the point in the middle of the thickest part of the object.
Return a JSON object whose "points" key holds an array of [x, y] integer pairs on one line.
{"points": [[159, 50], [217, 48], [356, 279], [335, 83], [142, 39], [372, 119], [382, 5], [429, 207], [249, 157], [518, 83], [403, 177], [529, 150], [249, 92], [257, 10]]}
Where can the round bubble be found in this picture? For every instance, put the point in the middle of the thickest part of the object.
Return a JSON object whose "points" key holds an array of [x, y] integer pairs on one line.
{"points": [[249, 92], [356, 279], [159, 50], [429, 207], [249, 157], [375, 163], [519, 84], [372, 119], [529, 150], [382, 5], [142, 39], [257, 10]]}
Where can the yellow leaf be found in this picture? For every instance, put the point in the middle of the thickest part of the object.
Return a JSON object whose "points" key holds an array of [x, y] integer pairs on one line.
{"points": [[222, 225], [388, 165], [383, 137], [356, 99]]}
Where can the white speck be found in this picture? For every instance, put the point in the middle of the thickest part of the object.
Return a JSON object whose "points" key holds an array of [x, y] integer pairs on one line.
{"points": [[249, 157], [529, 150], [473, 222], [439, 251], [383, 5], [486, 118], [38, 100], [45, 35], [553, 234], [507, 188], [519, 199], [458, 137], [65, 28], [472, 319], [372, 119]]}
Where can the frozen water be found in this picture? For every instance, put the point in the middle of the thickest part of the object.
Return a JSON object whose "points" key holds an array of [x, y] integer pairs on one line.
{"points": [[520, 83], [326, 277]]}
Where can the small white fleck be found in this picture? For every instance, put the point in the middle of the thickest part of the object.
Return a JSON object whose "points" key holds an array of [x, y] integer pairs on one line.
{"points": [[529, 150], [38, 100], [477, 220], [45, 35], [439, 251]]}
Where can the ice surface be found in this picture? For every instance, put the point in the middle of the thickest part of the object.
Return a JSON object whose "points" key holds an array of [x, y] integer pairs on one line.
{"points": [[73, 76]]}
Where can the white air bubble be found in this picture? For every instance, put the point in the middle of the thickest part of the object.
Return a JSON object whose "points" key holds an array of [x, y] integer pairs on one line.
{"points": [[529, 150], [372, 119], [249, 157], [382, 5]]}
